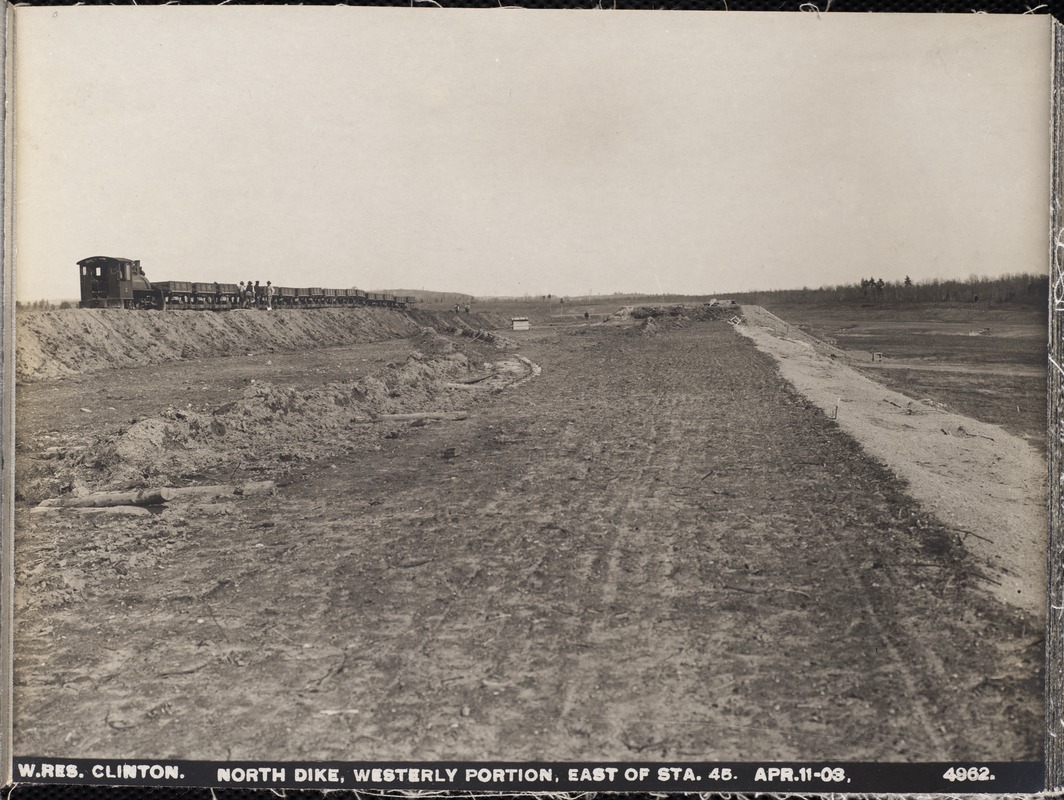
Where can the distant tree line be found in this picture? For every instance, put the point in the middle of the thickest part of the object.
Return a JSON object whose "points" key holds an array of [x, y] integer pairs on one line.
{"points": [[435, 298], [1023, 289]]}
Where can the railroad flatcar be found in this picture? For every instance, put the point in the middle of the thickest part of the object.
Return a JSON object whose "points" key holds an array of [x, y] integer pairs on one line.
{"points": [[286, 297], [108, 282]]}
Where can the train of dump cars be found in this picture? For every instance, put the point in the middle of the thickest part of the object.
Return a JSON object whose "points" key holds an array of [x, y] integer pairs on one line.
{"points": [[108, 282]]}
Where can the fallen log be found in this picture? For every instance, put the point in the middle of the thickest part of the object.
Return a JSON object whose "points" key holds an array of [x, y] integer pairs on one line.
{"points": [[203, 492], [117, 511], [224, 490], [140, 497], [452, 415]]}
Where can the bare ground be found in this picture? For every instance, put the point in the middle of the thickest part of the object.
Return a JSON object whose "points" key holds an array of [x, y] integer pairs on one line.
{"points": [[654, 549]]}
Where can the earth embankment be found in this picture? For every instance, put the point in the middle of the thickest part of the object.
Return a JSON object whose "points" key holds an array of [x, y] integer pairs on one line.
{"points": [[56, 344], [983, 482], [459, 589]]}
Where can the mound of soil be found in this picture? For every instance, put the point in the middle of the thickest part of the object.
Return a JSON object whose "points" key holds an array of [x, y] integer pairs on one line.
{"points": [[645, 312], [57, 344], [623, 313], [700, 313], [478, 334], [656, 319], [703, 313], [431, 343], [268, 422]]}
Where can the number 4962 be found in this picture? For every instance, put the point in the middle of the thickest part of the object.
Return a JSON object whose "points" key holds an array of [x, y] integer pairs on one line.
{"points": [[968, 774]]}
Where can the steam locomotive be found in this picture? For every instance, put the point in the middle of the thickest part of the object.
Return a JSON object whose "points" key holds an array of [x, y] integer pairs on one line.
{"points": [[121, 283]]}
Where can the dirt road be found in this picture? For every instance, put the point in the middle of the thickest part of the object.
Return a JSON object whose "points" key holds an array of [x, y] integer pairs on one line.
{"points": [[654, 549]]}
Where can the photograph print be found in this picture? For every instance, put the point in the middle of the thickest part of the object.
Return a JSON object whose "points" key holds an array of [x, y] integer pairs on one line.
{"points": [[425, 385]]}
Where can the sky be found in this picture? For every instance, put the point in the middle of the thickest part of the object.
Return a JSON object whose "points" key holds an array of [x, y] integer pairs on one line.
{"points": [[514, 152]]}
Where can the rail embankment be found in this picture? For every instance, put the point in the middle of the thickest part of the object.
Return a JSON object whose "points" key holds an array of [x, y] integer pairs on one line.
{"points": [[56, 344]]}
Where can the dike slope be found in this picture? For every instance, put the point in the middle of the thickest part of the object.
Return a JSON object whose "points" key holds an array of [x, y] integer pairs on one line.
{"points": [[56, 344], [977, 478]]}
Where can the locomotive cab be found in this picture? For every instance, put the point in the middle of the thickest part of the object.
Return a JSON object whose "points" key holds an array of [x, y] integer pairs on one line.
{"points": [[112, 283]]}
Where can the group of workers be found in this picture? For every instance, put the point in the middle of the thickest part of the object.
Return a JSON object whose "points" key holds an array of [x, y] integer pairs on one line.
{"points": [[255, 296]]}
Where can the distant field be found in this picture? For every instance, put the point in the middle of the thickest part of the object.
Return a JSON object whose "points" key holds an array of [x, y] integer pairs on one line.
{"points": [[989, 364], [540, 312], [543, 312], [986, 363]]}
